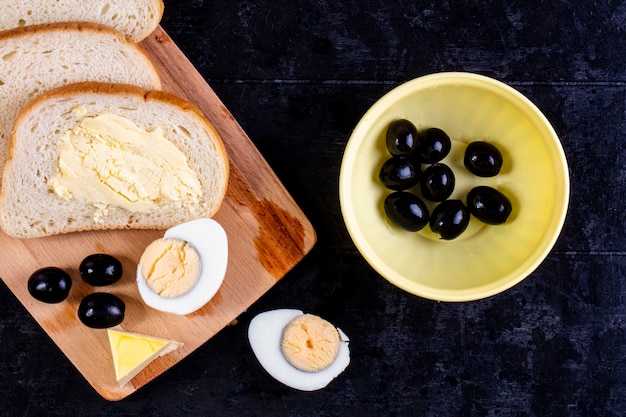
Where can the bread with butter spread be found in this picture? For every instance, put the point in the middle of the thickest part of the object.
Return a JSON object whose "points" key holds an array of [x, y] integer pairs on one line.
{"points": [[136, 19], [39, 197], [35, 59]]}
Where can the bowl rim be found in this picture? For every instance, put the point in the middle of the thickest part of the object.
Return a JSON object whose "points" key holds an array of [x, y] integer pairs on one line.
{"points": [[347, 208]]}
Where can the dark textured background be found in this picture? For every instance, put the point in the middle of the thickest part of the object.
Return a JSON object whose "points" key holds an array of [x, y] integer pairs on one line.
{"points": [[298, 75]]}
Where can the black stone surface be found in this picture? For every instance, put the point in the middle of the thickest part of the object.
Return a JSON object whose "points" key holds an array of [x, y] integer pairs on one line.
{"points": [[298, 75]]}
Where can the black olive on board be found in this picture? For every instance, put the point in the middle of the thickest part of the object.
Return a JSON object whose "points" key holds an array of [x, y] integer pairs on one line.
{"points": [[50, 285], [400, 173], [489, 205], [406, 210], [482, 159], [401, 137], [437, 183], [100, 310], [100, 269], [433, 146], [449, 219]]}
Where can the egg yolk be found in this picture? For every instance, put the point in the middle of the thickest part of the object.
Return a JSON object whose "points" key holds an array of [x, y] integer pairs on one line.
{"points": [[171, 267], [310, 343]]}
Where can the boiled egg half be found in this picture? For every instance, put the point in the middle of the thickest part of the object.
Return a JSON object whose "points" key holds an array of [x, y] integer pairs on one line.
{"points": [[302, 351], [182, 271]]}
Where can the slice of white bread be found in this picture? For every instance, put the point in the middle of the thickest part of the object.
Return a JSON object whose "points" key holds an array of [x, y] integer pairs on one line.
{"points": [[134, 18], [28, 206], [35, 59]]}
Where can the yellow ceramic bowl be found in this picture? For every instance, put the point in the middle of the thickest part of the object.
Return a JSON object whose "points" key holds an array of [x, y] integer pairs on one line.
{"points": [[485, 260]]}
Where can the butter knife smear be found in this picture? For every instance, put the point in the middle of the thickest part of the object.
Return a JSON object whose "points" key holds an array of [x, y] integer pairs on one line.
{"points": [[107, 160]]}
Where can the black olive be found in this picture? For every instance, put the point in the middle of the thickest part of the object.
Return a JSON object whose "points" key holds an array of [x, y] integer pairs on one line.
{"points": [[482, 159], [100, 310], [437, 183], [50, 285], [401, 137], [449, 219], [433, 146], [489, 205], [100, 269], [406, 210], [400, 173]]}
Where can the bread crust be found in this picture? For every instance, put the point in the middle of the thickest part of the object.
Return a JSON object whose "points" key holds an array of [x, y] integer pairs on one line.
{"points": [[53, 26], [158, 5]]}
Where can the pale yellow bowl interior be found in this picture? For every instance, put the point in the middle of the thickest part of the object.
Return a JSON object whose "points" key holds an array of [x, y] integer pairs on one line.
{"points": [[485, 260]]}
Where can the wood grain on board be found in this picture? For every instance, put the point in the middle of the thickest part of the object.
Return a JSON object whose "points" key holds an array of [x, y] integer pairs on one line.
{"points": [[268, 234]]}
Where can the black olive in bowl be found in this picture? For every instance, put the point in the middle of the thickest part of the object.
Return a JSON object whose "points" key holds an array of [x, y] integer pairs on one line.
{"points": [[406, 210], [482, 159], [437, 183], [400, 173], [433, 146], [401, 137], [450, 219], [489, 205]]}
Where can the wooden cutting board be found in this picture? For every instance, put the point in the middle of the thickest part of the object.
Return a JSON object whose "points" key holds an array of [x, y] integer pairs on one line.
{"points": [[268, 234]]}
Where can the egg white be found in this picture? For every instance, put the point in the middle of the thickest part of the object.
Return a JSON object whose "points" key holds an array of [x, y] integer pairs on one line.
{"points": [[209, 239], [265, 334]]}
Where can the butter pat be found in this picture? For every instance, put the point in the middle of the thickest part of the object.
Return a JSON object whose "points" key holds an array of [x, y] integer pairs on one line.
{"points": [[107, 160], [171, 267], [132, 352], [310, 343]]}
